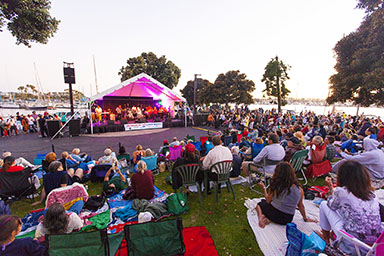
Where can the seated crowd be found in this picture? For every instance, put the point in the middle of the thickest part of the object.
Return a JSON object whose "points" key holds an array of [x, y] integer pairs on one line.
{"points": [[253, 137]]}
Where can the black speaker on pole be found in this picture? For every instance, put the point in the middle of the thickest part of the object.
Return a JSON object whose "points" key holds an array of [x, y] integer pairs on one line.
{"points": [[74, 127], [53, 127]]}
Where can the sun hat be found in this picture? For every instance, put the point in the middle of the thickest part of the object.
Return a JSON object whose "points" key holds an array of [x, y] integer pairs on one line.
{"points": [[190, 148]]}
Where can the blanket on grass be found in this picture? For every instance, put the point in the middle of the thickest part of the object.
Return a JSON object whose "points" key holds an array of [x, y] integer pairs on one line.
{"points": [[272, 239], [234, 181]]}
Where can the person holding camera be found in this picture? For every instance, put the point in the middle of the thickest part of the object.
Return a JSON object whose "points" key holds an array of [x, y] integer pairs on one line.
{"points": [[115, 184]]}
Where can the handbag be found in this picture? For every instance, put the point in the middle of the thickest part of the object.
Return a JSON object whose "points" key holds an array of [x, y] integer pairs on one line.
{"points": [[95, 202], [177, 203]]}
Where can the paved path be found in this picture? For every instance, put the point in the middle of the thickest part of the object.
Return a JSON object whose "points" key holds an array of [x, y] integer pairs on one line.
{"points": [[27, 145]]}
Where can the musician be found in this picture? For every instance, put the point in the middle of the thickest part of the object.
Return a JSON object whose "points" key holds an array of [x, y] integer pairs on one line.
{"points": [[98, 112], [118, 113]]}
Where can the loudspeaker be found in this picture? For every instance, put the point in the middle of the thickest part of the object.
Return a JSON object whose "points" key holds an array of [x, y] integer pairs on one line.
{"points": [[74, 127], [53, 127], [69, 75], [123, 121]]}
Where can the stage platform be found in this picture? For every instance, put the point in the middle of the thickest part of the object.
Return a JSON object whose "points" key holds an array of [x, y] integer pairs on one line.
{"points": [[120, 126]]}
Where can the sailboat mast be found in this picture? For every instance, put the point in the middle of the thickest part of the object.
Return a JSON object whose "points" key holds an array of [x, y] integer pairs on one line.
{"points": [[94, 69]]}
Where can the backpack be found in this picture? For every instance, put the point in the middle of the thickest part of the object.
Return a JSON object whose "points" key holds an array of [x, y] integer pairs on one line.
{"points": [[95, 202], [177, 203]]}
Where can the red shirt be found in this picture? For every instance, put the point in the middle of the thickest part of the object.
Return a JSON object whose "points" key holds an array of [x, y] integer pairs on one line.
{"points": [[142, 183], [14, 168]]}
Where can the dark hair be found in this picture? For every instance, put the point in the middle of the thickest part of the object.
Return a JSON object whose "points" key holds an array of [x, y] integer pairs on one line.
{"points": [[216, 140], [8, 224], [8, 161], [355, 177], [56, 220], [273, 137], [54, 166], [331, 139], [283, 179], [190, 156]]}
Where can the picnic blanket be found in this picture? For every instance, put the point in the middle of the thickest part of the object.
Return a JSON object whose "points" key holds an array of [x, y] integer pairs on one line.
{"points": [[198, 241], [67, 195], [272, 239], [234, 181]]}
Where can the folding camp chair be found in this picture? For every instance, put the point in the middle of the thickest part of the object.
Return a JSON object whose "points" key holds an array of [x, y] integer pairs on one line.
{"points": [[223, 170], [124, 161], [98, 172], [297, 163], [197, 145], [260, 175], [188, 174], [175, 152], [162, 238], [376, 249], [203, 139], [191, 138], [151, 162], [81, 243], [15, 185]]}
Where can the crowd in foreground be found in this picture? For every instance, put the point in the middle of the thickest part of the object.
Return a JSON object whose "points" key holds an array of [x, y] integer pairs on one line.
{"points": [[246, 137]]}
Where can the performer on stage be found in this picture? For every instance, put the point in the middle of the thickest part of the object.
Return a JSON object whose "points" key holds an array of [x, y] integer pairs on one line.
{"points": [[98, 112]]}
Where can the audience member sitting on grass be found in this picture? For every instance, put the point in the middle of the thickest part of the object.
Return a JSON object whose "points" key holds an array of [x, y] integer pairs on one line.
{"points": [[9, 165], [79, 158], [70, 161], [56, 177], [330, 149], [317, 154], [10, 226], [165, 148], [20, 161], [372, 158], [353, 207], [207, 146], [189, 157], [49, 158], [58, 221], [148, 152], [142, 182], [115, 184], [174, 142], [236, 170], [136, 155], [108, 158], [284, 195], [217, 154]]}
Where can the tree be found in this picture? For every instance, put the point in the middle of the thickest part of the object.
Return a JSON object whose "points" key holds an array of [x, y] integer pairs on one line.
{"points": [[166, 72], [231, 87], [187, 91], [28, 20], [359, 68], [275, 75]]}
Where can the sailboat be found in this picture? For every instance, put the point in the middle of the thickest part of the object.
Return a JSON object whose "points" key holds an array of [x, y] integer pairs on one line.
{"points": [[40, 104]]}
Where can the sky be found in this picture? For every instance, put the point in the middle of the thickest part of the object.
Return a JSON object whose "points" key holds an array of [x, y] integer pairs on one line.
{"points": [[206, 37]]}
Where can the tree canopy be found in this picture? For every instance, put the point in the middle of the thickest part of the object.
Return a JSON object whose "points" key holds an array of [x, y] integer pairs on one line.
{"points": [[276, 72], [187, 91], [163, 70], [360, 61], [28, 20], [231, 87]]}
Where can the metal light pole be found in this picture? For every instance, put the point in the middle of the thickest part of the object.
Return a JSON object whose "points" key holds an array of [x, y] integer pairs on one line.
{"points": [[69, 78], [278, 85], [194, 94]]}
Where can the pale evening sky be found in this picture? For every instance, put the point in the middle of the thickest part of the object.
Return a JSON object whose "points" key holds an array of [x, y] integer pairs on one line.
{"points": [[206, 37]]}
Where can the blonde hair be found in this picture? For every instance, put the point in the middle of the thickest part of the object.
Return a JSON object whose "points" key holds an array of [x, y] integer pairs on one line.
{"points": [[76, 151], [64, 154], [141, 166], [139, 147], [318, 140], [148, 152]]}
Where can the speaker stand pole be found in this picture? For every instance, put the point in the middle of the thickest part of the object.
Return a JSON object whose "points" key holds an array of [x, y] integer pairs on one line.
{"points": [[71, 98]]}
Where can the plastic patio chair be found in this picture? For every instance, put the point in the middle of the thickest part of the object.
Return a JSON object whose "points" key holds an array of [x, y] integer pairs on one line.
{"points": [[161, 238], [82, 243], [297, 163], [260, 175], [175, 152], [223, 170], [188, 174], [151, 162], [376, 249]]}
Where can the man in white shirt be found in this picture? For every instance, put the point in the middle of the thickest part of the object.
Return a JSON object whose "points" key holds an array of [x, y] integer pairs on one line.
{"points": [[274, 151], [217, 154]]}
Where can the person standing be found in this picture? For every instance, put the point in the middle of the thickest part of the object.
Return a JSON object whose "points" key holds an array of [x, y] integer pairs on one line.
{"points": [[42, 125]]}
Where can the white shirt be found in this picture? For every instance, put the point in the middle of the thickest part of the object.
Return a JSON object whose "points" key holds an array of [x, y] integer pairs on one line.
{"points": [[273, 152], [215, 155], [74, 223]]}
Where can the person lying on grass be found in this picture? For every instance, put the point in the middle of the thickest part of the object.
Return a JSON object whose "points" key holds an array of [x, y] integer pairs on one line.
{"points": [[284, 195], [116, 184]]}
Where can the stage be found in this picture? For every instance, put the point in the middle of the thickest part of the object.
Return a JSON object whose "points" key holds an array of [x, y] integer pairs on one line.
{"points": [[128, 126]]}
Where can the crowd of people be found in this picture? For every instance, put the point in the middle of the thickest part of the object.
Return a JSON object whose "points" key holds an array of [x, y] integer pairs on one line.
{"points": [[352, 144]]}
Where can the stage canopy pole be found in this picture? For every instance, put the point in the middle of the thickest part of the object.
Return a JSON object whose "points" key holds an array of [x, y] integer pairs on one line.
{"points": [[90, 115]]}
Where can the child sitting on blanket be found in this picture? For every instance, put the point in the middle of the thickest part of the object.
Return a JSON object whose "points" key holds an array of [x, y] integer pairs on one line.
{"points": [[284, 195], [10, 226]]}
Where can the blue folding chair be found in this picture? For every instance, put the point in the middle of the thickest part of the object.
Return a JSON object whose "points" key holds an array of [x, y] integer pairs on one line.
{"points": [[151, 162], [197, 145]]}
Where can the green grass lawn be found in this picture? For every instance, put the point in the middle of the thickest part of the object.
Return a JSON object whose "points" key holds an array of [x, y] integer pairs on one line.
{"points": [[226, 220]]}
